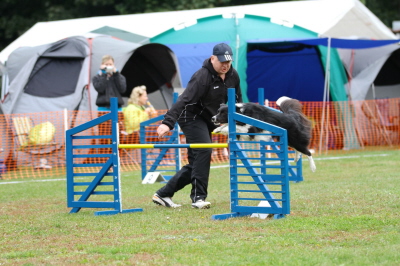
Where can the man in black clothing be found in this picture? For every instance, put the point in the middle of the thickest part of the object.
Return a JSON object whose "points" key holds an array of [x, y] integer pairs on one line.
{"points": [[206, 90]]}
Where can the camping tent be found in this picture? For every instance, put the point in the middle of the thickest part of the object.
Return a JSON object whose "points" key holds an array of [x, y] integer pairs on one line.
{"points": [[374, 72], [334, 18], [47, 77], [2, 79], [297, 69], [1, 68], [308, 70], [374, 75], [55, 76], [297, 53], [122, 34], [248, 36], [294, 69]]}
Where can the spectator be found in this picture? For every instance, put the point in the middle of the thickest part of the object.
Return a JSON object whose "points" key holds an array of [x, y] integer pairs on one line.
{"points": [[138, 110], [108, 83]]}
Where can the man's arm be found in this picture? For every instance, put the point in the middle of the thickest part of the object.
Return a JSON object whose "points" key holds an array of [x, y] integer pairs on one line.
{"points": [[191, 95]]}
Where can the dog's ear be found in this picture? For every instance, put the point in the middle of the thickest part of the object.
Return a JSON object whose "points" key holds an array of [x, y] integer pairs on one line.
{"points": [[222, 106]]}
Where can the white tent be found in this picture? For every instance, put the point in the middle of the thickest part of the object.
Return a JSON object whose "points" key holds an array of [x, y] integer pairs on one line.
{"points": [[364, 66], [374, 75], [333, 18]]}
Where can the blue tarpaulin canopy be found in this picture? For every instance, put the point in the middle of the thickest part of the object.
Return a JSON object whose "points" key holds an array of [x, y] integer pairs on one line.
{"points": [[334, 42], [304, 69]]}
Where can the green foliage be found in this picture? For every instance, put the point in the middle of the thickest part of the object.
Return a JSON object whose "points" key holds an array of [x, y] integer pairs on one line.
{"points": [[346, 213], [17, 16], [386, 10]]}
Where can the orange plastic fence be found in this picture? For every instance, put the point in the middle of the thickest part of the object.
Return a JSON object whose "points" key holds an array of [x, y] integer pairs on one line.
{"points": [[33, 144]]}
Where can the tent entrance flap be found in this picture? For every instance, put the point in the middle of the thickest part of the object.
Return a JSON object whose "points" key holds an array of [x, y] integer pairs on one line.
{"points": [[290, 69], [389, 73], [151, 65]]}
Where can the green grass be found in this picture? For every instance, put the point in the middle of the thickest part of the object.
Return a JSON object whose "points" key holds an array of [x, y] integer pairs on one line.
{"points": [[346, 213]]}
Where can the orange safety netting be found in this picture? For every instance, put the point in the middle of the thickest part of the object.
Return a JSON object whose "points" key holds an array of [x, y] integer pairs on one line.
{"points": [[33, 144]]}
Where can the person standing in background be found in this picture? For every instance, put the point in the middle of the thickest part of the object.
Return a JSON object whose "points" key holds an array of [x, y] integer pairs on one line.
{"points": [[108, 83]]}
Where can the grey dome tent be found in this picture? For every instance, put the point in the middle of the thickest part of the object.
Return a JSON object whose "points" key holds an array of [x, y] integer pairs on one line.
{"points": [[46, 77], [57, 76]]}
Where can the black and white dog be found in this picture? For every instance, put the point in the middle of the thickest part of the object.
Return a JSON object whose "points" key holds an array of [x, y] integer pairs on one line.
{"points": [[292, 119]]}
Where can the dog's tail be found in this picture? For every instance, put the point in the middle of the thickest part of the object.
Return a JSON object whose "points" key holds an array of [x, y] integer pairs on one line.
{"points": [[282, 99], [287, 105]]}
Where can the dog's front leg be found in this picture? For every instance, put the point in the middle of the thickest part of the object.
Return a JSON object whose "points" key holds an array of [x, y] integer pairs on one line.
{"points": [[297, 156], [310, 160], [312, 163]]}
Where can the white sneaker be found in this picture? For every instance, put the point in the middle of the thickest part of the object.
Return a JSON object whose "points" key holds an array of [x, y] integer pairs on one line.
{"points": [[166, 202], [201, 204]]}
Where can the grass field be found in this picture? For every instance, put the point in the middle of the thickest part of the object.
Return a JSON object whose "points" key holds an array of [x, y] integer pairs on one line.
{"points": [[346, 213]]}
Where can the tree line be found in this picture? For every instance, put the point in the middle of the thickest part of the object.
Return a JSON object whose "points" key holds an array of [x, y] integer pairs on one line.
{"points": [[17, 16]]}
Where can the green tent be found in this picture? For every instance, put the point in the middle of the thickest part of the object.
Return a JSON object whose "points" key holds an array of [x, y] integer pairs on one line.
{"points": [[122, 34], [193, 44]]}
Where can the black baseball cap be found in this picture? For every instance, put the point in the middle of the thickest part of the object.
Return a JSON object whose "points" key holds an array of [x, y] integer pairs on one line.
{"points": [[223, 52]]}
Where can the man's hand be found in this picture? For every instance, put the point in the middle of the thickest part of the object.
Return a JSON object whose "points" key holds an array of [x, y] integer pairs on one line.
{"points": [[162, 130]]}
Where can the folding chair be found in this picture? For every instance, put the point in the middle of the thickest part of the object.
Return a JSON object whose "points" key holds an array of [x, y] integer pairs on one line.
{"points": [[22, 127]]}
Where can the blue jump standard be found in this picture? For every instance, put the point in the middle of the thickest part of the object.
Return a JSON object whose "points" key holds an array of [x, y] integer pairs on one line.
{"points": [[279, 207], [112, 163]]}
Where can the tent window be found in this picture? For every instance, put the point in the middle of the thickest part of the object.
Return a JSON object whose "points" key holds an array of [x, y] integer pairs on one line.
{"points": [[54, 77]]}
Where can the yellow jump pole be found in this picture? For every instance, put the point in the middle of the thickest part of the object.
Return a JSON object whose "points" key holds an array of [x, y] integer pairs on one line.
{"points": [[169, 146]]}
